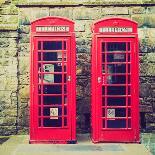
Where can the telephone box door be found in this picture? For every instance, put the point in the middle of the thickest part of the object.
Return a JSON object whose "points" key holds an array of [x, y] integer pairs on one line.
{"points": [[116, 89], [115, 98], [52, 88]]}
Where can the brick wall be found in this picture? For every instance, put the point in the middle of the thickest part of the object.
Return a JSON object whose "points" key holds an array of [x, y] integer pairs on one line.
{"points": [[15, 18]]}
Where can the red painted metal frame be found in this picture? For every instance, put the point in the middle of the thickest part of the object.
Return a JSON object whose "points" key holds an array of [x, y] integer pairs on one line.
{"points": [[62, 134], [105, 134]]}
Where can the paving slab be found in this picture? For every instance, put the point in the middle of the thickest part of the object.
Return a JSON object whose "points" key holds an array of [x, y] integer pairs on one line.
{"points": [[18, 145]]}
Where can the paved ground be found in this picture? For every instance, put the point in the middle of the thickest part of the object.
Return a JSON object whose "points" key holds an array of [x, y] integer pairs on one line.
{"points": [[18, 145]]}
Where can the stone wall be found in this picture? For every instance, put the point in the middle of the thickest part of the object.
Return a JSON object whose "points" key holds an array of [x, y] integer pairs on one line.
{"points": [[15, 18]]}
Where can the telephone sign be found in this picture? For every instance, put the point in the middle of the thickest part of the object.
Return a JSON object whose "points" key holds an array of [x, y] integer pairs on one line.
{"points": [[52, 97], [114, 81]]}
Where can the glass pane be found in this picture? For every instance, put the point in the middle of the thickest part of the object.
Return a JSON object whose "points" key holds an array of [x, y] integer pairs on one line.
{"points": [[64, 45], [39, 56], [129, 123], [116, 46], [39, 100], [103, 101], [39, 122], [103, 68], [116, 68], [52, 67], [65, 89], [52, 45], [120, 112], [65, 121], [52, 100], [103, 47], [103, 112], [57, 111], [129, 112], [48, 122], [116, 90], [65, 99], [39, 89], [103, 57], [121, 57], [52, 78], [129, 58], [65, 110], [103, 90], [52, 89], [129, 68], [129, 101], [128, 47], [129, 90], [39, 45], [116, 79], [52, 56], [39, 112], [121, 123], [116, 101], [103, 123]]}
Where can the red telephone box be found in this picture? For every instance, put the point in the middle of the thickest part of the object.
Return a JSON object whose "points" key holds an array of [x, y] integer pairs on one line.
{"points": [[52, 81], [115, 97]]}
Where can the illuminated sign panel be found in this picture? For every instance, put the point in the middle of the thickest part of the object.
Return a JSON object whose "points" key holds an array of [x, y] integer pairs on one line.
{"points": [[115, 29], [52, 29]]}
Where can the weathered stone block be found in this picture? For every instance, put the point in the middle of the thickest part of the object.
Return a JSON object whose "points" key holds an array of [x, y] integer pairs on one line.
{"points": [[7, 121], [24, 93], [81, 13], [144, 19], [115, 11], [150, 10], [8, 19], [24, 29], [146, 108], [8, 61], [8, 52], [24, 49], [151, 32], [138, 10], [150, 117], [24, 38], [23, 130], [79, 26], [9, 10], [147, 45], [8, 82], [27, 15], [11, 112], [7, 130], [9, 34], [148, 1], [6, 27], [147, 69], [83, 64], [140, 18], [24, 79], [145, 90], [142, 33], [62, 12], [149, 57], [83, 88], [24, 64]]}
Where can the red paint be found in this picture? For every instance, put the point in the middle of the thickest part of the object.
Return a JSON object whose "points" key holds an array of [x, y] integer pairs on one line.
{"points": [[114, 89], [52, 82]]}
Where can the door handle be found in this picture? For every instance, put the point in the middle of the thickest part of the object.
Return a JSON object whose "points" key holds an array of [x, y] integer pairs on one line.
{"points": [[69, 78], [99, 79]]}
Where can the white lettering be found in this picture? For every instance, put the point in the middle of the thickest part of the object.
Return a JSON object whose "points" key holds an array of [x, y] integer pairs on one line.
{"points": [[115, 29], [52, 29]]}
